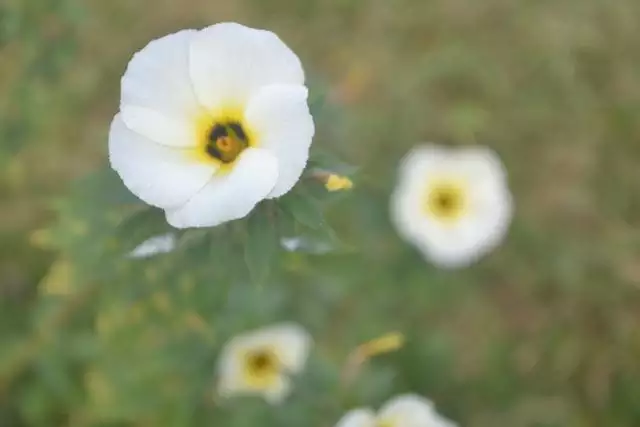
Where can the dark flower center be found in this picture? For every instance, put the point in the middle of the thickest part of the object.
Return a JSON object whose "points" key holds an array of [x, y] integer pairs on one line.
{"points": [[226, 141], [261, 364]]}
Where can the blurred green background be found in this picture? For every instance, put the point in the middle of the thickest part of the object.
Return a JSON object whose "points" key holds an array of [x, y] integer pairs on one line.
{"points": [[542, 333]]}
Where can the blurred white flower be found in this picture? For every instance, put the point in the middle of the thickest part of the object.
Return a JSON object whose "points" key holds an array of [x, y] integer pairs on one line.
{"points": [[402, 411], [211, 122], [161, 244], [262, 362], [453, 204]]}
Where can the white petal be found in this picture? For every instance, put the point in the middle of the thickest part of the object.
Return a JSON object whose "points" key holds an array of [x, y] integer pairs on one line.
{"points": [[279, 391], [412, 411], [358, 418], [290, 341], [161, 244], [474, 236], [427, 157], [292, 345], [161, 176], [157, 97], [234, 384], [232, 195], [229, 61], [490, 205], [169, 131], [279, 116], [230, 370]]}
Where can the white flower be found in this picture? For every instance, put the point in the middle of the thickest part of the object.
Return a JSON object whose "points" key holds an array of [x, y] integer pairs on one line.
{"points": [[453, 204], [161, 244], [402, 411], [262, 362], [211, 122]]}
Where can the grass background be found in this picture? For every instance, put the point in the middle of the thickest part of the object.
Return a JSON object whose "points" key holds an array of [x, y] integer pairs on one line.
{"points": [[544, 332]]}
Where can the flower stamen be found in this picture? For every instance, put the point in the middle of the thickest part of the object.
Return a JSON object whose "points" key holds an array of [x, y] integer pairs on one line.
{"points": [[225, 141]]}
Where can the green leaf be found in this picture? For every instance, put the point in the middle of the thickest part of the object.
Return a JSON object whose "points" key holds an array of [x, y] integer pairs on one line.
{"points": [[304, 209], [193, 237], [261, 246], [103, 189], [329, 162], [317, 101], [140, 226], [285, 223], [317, 96]]}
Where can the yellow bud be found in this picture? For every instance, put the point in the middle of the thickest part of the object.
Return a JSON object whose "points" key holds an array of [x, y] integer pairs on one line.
{"points": [[384, 344], [338, 183]]}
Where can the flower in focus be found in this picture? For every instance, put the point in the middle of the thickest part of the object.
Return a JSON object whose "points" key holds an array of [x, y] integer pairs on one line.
{"points": [[454, 205], [211, 122], [402, 411], [161, 244], [262, 362]]}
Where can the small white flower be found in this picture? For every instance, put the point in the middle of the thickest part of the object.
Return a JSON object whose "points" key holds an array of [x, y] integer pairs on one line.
{"points": [[402, 411], [454, 205], [262, 362], [161, 244], [211, 122]]}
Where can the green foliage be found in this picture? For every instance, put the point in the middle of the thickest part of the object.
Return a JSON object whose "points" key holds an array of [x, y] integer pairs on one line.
{"points": [[541, 333], [303, 209], [262, 244]]}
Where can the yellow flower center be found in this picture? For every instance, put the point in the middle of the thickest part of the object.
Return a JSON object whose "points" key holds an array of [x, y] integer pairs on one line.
{"points": [[226, 141], [261, 367], [222, 137], [446, 200], [384, 423]]}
